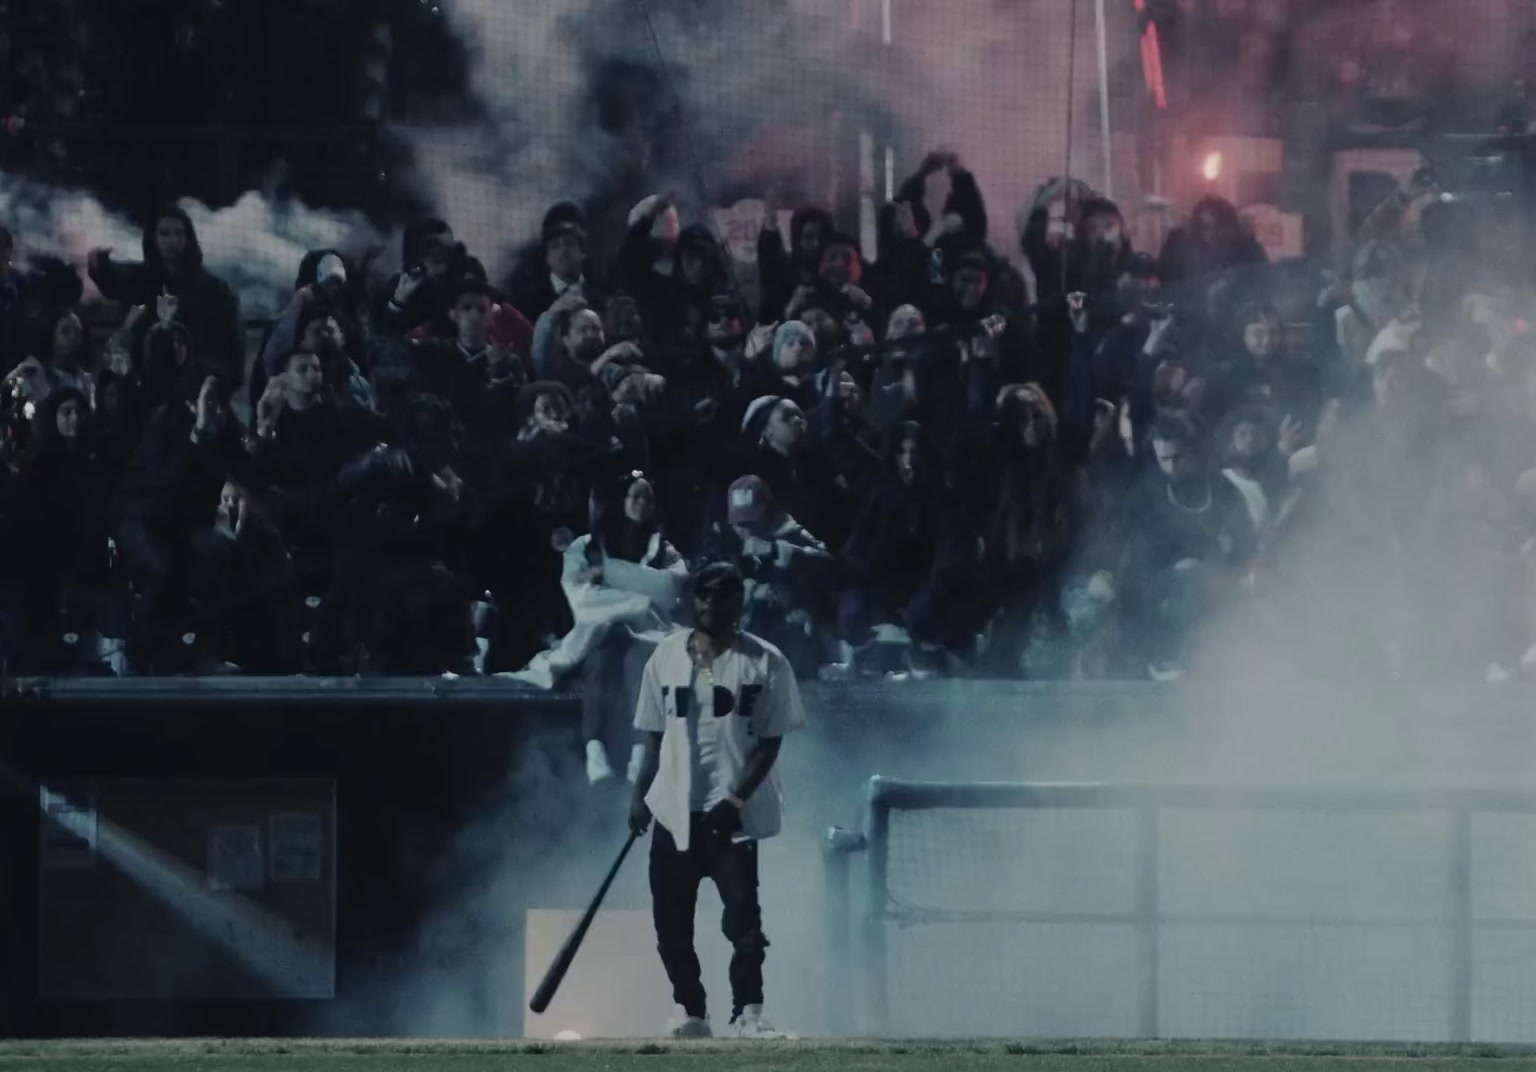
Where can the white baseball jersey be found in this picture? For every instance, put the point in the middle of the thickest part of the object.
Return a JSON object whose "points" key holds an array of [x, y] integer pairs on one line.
{"points": [[707, 733]]}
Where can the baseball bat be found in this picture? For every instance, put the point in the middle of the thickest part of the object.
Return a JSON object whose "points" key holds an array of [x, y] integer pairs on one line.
{"points": [[562, 962]]}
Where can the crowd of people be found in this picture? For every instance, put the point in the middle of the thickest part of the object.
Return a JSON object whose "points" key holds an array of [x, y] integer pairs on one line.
{"points": [[924, 460]]}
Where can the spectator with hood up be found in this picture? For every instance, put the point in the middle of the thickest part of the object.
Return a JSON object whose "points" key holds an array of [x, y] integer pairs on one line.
{"points": [[172, 281], [59, 357], [61, 520], [1025, 508], [431, 264], [562, 268], [323, 279], [962, 221], [48, 284], [1213, 241], [171, 489], [781, 273], [836, 287], [675, 306]]}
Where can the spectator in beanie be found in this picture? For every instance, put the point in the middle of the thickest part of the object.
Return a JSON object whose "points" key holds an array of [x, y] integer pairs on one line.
{"points": [[561, 270], [172, 281], [792, 374]]}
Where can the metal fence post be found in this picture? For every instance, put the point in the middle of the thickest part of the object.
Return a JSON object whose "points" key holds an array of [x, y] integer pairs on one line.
{"points": [[875, 1021], [837, 848], [1459, 925], [1147, 910]]}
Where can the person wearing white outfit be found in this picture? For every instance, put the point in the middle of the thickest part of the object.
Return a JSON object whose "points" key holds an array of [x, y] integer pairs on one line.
{"points": [[714, 706]]}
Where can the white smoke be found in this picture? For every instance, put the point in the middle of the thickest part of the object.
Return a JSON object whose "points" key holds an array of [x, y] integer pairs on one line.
{"points": [[254, 245]]}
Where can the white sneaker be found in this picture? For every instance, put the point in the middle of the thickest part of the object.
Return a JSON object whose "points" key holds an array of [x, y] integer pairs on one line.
{"points": [[598, 768], [688, 1027], [751, 1025], [636, 757]]}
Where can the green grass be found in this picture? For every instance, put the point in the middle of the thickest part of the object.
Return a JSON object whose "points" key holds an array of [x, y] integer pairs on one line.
{"points": [[308, 1055]]}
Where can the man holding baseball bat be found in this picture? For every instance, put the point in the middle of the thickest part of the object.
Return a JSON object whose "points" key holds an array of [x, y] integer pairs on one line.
{"points": [[714, 706]]}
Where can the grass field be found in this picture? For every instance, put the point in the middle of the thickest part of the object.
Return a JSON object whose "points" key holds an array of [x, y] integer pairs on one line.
{"points": [[279, 1055]]}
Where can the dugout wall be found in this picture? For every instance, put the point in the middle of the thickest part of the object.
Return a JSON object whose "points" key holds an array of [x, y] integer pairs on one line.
{"points": [[250, 857]]}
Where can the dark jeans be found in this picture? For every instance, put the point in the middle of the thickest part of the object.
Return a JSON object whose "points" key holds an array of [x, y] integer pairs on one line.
{"points": [[675, 878]]}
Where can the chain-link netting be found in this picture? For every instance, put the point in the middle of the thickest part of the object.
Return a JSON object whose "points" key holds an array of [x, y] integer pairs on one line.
{"points": [[1271, 924]]}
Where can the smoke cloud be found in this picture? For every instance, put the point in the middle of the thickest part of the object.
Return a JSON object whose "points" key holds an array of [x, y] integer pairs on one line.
{"points": [[254, 245]]}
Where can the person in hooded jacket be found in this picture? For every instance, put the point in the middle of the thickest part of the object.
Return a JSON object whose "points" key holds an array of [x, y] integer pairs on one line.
{"points": [[1048, 235], [431, 264], [562, 265], [59, 355], [171, 488], [906, 264], [1024, 506], [780, 272], [323, 279], [675, 307], [1212, 242], [172, 280], [836, 287], [995, 346], [962, 221], [906, 560], [303, 439], [243, 603], [48, 283], [62, 521]]}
